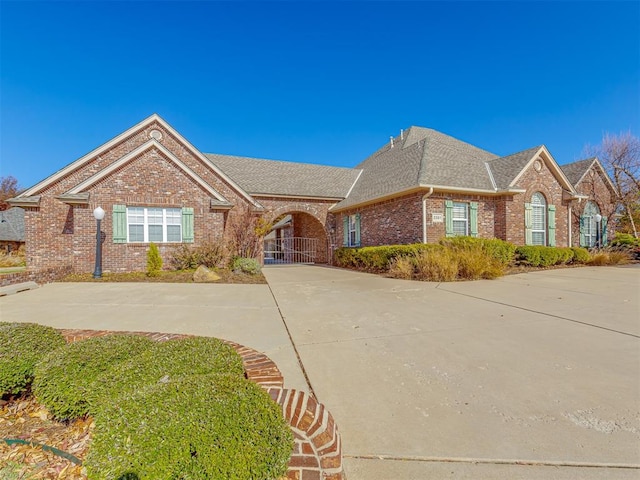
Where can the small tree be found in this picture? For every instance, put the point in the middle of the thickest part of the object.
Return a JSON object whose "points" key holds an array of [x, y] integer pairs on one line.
{"points": [[154, 261], [9, 188], [620, 156], [246, 232]]}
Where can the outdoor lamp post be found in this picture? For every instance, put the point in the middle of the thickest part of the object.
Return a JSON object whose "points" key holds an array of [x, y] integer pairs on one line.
{"points": [[98, 213], [598, 219]]}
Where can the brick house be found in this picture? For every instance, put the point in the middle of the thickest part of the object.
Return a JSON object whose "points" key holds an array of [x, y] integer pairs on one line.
{"points": [[11, 229], [157, 187]]}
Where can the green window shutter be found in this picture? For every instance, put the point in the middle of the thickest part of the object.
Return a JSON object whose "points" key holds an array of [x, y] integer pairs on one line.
{"points": [[357, 229], [528, 223], [551, 211], [604, 231], [448, 218], [187, 225], [345, 231], [473, 220], [583, 226], [119, 224]]}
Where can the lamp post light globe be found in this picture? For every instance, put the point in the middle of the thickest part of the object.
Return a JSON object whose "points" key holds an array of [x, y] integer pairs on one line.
{"points": [[98, 214]]}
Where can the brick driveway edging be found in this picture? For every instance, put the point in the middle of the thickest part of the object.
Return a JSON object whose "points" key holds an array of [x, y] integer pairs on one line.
{"points": [[317, 452]]}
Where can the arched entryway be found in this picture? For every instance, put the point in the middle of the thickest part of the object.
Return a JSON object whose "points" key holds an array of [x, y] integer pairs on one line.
{"points": [[296, 237]]}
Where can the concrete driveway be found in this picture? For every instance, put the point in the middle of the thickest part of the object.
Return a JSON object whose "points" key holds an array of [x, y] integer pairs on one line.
{"points": [[529, 376]]}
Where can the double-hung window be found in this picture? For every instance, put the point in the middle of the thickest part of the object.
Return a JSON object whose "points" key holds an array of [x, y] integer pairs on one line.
{"points": [[460, 215], [539, 217], [159, 225], [461, 218], [351, 230]]}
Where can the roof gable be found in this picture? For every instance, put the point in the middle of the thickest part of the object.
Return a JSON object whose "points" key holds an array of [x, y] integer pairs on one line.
{"points": [[576, 172], [86, 159]]}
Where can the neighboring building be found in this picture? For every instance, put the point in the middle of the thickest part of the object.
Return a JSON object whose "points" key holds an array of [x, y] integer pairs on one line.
{"points": [[11, 229], [421, 186]]}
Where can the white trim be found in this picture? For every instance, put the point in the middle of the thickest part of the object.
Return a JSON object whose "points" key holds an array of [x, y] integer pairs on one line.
{"points": [[149, 145], [493, 181], [552, 165], [354, 183]]}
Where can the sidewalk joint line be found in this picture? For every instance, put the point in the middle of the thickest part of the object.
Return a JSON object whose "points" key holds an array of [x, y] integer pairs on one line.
{"points": [[495, 461], [293, 344], [540, 313]]}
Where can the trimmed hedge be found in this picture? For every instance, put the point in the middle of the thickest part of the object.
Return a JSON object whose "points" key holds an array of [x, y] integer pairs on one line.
{"points": [[377, 259], [62, 379], [162, 362], [541, 256], [580, 255], [22, 346], [213, 426]]}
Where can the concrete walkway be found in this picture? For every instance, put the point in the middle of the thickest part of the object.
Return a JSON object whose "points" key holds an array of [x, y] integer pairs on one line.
{"points": [[469, 380], [425, 380]]}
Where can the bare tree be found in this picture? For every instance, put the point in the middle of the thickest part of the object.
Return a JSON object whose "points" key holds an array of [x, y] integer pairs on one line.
{"points": [[9, 188], [620, 156], [246, 232]]}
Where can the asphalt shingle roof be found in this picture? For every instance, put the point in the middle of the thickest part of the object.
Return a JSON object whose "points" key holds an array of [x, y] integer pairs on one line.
{"points": [[420, 157], [576, 170], [506, 169], [12, 225], [275, 177]]}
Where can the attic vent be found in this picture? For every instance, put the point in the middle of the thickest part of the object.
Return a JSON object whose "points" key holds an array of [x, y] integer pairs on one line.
{"points": [[157, 134], [391, 140]]}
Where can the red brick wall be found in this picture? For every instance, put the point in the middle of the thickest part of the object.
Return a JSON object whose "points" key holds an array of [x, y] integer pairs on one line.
{"points": [[59, 234]]}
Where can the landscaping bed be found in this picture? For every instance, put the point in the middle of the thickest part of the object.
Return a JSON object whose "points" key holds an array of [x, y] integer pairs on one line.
{"points": [[201, 417], [169, 276]]}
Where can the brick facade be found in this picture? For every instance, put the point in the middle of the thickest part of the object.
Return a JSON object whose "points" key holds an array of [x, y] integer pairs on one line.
{"points": [[131, 170]]}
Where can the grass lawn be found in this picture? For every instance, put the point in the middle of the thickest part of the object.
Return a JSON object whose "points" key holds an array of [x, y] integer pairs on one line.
{"points": [[169, 276]]}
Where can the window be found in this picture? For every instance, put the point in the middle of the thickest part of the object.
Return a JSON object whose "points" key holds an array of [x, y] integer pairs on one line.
{"points": [[158, 225], [539, 223], [461, 218], [351, 230], [589, 226]]}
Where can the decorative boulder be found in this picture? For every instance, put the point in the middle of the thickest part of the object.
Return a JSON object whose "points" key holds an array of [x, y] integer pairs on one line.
{"points": [[203, 275]]}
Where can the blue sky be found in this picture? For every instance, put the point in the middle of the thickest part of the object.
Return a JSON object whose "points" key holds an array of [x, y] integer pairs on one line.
{"points": [[317, 82]]}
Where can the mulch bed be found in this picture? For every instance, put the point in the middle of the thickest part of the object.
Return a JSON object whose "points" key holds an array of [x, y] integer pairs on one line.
{"points": [[177, 276], [23, 418]]}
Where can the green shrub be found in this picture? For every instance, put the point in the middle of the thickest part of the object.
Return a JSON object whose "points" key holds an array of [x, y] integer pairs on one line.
{"points": [[245, 265], [209, 254], [541, 256], [62, 378], [213, 426], [154, 260], [22, 345], [625, 240], [377, 259], [163, 361], [580, 255]]}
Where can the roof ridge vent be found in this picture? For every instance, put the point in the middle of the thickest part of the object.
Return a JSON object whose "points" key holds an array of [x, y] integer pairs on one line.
{"points": [[402, 134], [391, 141]]}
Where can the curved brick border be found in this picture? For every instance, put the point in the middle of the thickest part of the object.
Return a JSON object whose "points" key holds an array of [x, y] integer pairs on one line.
{"points": [[317, 453]]}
